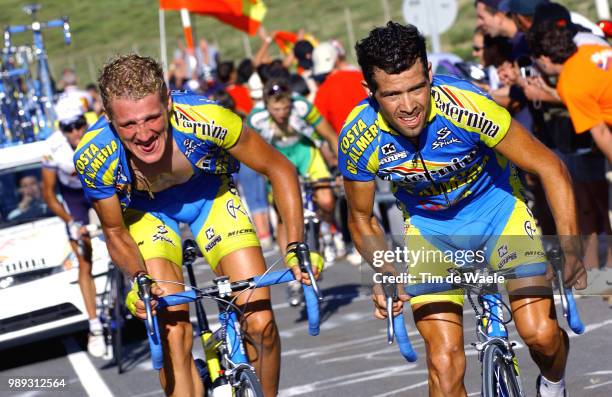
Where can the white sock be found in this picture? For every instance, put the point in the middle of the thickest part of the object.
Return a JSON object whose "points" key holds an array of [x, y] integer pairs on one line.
{"points": [[552, 389], [95, 325]]}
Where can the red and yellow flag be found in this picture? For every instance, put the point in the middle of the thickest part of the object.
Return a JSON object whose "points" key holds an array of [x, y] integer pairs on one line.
{"points": [[245, 15], [285, 40]]}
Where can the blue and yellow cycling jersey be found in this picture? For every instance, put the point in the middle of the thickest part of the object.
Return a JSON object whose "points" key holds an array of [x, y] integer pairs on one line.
{"points": [[202, 130], [454, 161]]}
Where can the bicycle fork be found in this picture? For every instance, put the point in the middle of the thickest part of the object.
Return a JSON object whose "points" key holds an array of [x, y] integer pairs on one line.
{"points": [[491, 327]]}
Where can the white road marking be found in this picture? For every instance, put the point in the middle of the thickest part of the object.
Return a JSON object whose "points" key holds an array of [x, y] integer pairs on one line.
{"points": [[150, 393], [351, 379], [598, 385], [393, 392], [88, 375]]}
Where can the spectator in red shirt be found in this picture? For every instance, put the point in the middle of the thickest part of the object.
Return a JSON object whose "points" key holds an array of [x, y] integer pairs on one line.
{"points": [[227, 75], [340, 89]]}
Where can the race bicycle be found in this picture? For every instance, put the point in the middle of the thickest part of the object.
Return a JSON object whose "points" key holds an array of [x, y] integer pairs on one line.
{"points": [[226, 370], [114, 315], [499, 365], [111, 308], [27, 101], [312, 228]]}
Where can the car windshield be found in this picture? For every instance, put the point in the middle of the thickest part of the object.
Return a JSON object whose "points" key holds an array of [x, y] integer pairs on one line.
{"points": [[21, 197]]}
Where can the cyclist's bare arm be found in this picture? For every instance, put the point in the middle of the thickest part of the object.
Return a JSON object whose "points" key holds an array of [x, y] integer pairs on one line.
{"points": [[366, 233], [327, 132], [603, 139], [529, 154], [368, 236], [49, 179], [121, 246]]}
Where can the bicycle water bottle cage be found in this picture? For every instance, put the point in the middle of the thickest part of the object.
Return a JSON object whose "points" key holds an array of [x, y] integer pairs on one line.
{"points": [[224, 286]]}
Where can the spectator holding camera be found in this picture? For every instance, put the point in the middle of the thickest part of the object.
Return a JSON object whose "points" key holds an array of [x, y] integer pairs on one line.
{"points": [[585, 77], [584, 85]]}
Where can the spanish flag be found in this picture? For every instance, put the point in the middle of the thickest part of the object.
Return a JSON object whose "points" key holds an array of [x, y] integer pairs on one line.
{"points": [[245, 15]]}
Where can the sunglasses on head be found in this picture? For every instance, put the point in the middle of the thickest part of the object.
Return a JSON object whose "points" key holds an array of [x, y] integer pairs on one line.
{"points": [[73, 125], [277, 89]]}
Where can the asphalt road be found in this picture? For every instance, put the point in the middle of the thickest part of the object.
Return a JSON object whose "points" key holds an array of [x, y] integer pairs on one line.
{"points": [[350, 357]]}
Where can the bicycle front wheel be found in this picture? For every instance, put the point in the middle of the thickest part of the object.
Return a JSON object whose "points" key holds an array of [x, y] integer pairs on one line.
{"points": [[248, 384], [499, 376]]}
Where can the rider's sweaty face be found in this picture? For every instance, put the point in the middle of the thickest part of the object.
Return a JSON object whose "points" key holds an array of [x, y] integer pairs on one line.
{"points": [[405, 98], [279, 110], [142, 125]]}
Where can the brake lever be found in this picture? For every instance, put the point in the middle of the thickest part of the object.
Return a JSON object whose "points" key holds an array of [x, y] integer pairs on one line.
{"points": [[303, 254], [144, 292], [390, 291]]}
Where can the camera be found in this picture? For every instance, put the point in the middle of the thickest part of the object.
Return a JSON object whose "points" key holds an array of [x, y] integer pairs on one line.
{"points": [[526, 67], [528, 71]]}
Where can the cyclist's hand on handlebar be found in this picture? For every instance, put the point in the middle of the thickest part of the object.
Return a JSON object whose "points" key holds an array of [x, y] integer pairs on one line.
{"points": [[316, 260], [75, 230], [136, 306], [380, 301], [574, 273]]}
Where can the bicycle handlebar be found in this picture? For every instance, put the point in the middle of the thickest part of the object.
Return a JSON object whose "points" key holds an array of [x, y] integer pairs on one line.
{"points": [[157, 354], [277, 277], [396, 327], [567, 298], [38, 26], [570, 312]]}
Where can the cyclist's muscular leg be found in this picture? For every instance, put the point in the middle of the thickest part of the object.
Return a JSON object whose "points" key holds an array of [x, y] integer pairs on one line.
{"points": [[179, 377], [262, 341], [325, 202], [86, 282], [441, 325], [536, 322]]}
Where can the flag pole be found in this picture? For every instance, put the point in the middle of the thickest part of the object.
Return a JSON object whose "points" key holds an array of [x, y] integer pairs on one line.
{"points": [[186, 21], [162, 43]]}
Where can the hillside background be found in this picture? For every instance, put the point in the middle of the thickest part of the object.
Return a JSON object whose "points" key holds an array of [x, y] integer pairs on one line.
{"points": [[102, 28]]}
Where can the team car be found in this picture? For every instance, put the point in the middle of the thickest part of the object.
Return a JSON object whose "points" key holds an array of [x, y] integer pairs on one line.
{"points": [[39, 294]]}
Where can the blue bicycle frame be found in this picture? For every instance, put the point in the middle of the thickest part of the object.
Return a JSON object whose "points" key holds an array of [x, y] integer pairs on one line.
{"points": [[228, 318], [40, 106]]}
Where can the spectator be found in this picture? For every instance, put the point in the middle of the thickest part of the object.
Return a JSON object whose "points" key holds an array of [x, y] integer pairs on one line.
{"points": [[298, 85], [585, 86], [522, 12], [244, 71], [96, 104], [302, 50], [341, 62], [493, 18], [478, 45], [341, 89], [256, 89], [585, 78], [71, 89], [31, 204], [228, 76]]}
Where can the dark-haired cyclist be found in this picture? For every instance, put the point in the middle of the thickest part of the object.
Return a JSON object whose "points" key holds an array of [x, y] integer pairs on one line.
{"points": [[449, 152]]}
